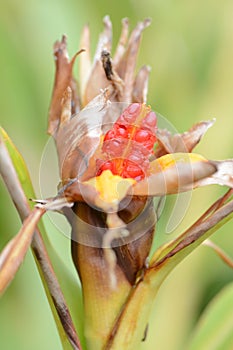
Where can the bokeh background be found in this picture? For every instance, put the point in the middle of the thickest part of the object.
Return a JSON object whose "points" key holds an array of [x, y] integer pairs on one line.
{"points": [[189, 47]]}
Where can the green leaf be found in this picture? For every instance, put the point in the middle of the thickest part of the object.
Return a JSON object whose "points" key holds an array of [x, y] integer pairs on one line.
{"points": [[215, 328], [19, 165]]}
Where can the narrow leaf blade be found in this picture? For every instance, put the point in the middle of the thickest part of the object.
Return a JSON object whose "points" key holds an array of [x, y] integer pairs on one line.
{"points": [[16, 177], [15, 251]]}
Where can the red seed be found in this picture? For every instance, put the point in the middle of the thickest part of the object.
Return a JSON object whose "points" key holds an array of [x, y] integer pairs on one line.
{"points": [[142, 136], [150, 120], [109, 135], [131, 170], [134, 108], [149, 144], [105, 166], [121, 130], [130, 114], [135, 143], [114, 147]]}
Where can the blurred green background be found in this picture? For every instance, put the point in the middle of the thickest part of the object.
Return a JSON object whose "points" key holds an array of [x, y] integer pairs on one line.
{"points": [[189, 47]]}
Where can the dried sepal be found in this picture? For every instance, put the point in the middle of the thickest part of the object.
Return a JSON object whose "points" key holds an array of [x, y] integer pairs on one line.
{"points": [[97, 79], [223, 176], [92, 77], [63, 79], [121, 46], [184, 176], [140, 88], [168, 143], [78, 137], [105, 39], [126, 66], [85, 60], [112, 76]]}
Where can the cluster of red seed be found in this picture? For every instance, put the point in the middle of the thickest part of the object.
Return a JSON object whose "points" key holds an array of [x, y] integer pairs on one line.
{"points": [[129, 143]]}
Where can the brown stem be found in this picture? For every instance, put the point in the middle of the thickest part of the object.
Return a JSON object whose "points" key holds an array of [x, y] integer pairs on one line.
{"points": [[220, 252], [215, 206], [198, 230]]}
